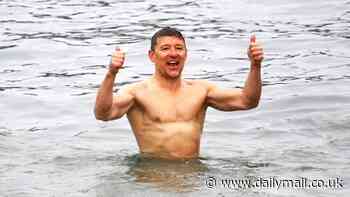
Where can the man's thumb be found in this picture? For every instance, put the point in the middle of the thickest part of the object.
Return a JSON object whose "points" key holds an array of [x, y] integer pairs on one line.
{"points": [[252, 38], [124, 50]]}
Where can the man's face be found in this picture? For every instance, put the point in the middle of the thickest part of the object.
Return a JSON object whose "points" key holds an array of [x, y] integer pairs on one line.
{"points": [[169, 56]]}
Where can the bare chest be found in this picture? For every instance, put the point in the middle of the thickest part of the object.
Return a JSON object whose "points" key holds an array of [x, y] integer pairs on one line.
{"points": [[165, 107]]}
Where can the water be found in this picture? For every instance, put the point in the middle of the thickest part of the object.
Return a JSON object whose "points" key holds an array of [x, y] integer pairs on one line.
{"points": [[53, 56]]}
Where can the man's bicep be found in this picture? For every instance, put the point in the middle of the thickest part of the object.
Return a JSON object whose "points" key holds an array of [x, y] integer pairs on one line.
{"points": [[225, 99], [122, 102]]}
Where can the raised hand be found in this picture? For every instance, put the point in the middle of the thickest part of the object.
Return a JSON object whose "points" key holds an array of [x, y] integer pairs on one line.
{"points": [[255, 52], [117, 60]]}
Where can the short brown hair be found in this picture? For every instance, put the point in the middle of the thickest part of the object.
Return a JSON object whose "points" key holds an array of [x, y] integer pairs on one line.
{"points": [[166, 31]]}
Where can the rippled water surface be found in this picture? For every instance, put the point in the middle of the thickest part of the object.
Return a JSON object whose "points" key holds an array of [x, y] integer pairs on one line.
{"points": [[53, 56]]}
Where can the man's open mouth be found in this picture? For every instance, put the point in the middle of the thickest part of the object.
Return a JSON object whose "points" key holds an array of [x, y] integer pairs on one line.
{"points": [[173, 63]]}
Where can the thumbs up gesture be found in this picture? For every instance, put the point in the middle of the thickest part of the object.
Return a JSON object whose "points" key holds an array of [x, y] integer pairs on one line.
{"points": [[117, 60], [255, 52]]}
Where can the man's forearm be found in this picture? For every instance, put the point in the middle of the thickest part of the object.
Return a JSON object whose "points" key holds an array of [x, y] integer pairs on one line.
{"points": [[252, 87], [104, 98]]}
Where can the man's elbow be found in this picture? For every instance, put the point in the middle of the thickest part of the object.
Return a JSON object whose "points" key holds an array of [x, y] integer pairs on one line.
{"points": [[101, 116], [251, 104], [254, 105]]}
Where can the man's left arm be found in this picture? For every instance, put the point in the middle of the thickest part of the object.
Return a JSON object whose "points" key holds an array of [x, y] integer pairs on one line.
{"points": [[249, 96]]}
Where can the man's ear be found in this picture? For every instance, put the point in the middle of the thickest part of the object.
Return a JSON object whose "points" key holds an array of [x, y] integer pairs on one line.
{"points": [[151, 55]]}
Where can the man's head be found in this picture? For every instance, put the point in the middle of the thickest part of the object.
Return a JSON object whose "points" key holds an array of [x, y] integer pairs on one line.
{"points": [[168, 52], [166, 31]]}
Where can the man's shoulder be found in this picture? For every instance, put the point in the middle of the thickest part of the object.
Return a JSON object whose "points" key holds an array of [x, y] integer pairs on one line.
{"points": [[199, 83], [133, 87], [138, 84]]}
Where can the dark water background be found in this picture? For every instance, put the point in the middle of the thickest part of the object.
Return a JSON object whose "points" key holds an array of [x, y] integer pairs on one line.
{"points": [[53, 56]]}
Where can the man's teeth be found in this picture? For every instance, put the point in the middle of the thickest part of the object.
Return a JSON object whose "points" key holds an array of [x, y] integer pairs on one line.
{"points": [[172, 62]]}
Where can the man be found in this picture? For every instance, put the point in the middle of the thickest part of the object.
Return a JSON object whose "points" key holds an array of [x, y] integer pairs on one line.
{"points": [[166, 112]]}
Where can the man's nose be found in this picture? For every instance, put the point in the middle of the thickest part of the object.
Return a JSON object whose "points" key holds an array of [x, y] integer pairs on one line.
{"points": [[173, 52]]}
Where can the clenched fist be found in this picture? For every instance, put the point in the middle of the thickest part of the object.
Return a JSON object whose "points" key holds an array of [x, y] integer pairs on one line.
{"points": [[255, 52], [117, 61]]}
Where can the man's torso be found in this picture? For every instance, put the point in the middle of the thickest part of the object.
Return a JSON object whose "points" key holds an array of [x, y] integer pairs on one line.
{"points": [[168, 124]]}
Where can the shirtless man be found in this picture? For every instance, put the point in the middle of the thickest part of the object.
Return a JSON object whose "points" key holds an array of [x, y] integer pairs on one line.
{"points": [[166, 112]]}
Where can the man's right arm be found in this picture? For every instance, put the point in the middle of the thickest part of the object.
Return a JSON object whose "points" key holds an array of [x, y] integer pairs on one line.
{"points": [[108, 107]]}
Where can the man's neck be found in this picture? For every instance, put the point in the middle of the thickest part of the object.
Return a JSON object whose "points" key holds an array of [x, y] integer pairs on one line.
{"points": [[167, 83]]}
